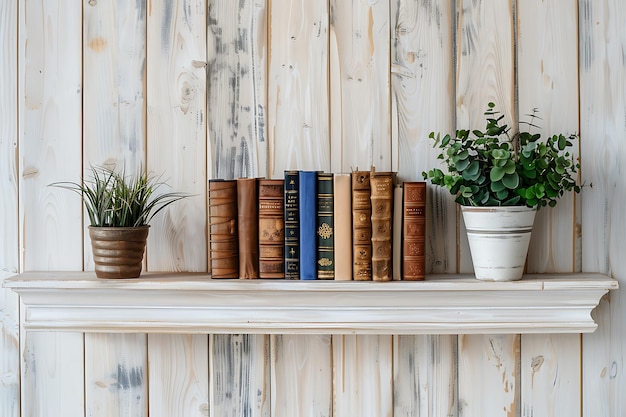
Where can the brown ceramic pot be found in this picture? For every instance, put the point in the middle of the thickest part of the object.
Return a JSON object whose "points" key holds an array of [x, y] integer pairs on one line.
{"points": [[118, 251]]}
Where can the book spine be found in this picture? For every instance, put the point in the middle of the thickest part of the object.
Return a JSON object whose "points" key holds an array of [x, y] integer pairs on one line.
{"points": [[223, 240], [343, 226], [325, 227], [292, 225], [396, 247], [361, 226], [308, 221], [271, 229], [248, 227], [382, 184], [414, 231]]}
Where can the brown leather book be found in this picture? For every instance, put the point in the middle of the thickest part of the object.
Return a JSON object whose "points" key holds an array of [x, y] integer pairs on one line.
{"points": [[342, 208], [271, 228], [248, 227], [223, 229], [414, 231], [361, 226], [382, 185]]}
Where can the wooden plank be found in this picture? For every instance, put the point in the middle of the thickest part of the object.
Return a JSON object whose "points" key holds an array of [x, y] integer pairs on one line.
{"points": [[424, 381], [115, 375], [422, 67], [50, 100], [114, 51], [359, 70], [550, 375], [178, 377], [176, 131], [9, 214], [485, 72], [547, 62], [240, 375], [603, 105], [301, 375], [547, 75], [237, 95], [362, 375], [297, 115], [493, 363]]}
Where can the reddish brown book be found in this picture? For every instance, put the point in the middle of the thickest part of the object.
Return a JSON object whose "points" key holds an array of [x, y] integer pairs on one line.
{"points": [[382, 185], [414, 231], [223, 229], [271, 229], [248, 227], [361, 226]]}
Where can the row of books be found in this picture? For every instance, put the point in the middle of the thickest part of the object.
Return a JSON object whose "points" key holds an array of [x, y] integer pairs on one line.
{"points": [[318, 225]]}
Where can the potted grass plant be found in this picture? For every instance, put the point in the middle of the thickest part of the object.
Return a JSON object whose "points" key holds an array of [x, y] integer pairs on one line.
{"points": [[501, 179], [120, 208]]}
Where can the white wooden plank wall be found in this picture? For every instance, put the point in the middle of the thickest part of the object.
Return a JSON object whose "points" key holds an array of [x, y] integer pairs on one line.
{"points": [[9, 246], [202, 89]]}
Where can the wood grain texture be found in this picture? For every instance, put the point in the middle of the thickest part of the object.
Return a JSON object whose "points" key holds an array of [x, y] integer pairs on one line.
{"points": [[240, 375], [178, 376], [297, 115], [547, 75], [116, 375], [359, 70], [550, 375], [425, 376], [52, 375], [362, 376], [176, 131], [50, 137], [603, 106], [237, 89], [489, 375], [423, 91], [9, 214], [301, 375]]}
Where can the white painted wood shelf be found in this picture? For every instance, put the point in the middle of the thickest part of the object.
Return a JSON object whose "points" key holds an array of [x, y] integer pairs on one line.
{"points": [[195, 303]]}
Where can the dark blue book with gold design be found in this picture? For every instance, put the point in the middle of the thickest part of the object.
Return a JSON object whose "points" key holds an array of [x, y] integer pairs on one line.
{"points": [[308, 223]]}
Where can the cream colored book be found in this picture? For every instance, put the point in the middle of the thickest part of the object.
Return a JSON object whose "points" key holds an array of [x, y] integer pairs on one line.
{"points": [[343, 226]]}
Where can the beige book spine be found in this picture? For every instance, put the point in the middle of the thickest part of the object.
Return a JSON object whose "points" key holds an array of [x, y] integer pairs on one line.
{"points": [[343, 227]]}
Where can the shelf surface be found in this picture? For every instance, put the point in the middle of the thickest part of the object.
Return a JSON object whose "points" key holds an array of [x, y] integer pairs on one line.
{"points": [[195, 303]]}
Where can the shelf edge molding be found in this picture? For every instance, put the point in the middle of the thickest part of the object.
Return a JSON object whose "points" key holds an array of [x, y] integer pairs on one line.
{"points": [[195, 303]]}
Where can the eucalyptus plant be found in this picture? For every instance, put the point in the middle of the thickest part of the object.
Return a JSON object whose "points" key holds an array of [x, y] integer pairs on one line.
{"points": [[493, 167], [113, 199]]}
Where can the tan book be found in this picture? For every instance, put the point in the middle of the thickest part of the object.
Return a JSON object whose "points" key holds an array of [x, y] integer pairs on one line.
{"points": [[223, 241], [382, 187], [361, 226], [271, 229], [248, 227], [414, 231], [342, 211]]}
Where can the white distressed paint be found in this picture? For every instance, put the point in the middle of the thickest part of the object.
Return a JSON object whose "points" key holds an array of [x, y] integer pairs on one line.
{"points": [[196, 304]]}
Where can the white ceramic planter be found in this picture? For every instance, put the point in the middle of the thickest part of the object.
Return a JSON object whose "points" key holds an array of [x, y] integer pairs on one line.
{"points": [[498, 239]]}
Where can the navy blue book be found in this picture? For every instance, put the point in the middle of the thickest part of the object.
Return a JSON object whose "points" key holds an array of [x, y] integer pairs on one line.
{"points": [[308, 223], [292, 225]]}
